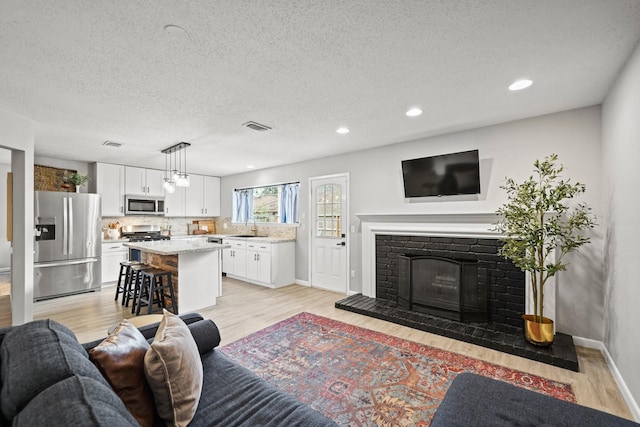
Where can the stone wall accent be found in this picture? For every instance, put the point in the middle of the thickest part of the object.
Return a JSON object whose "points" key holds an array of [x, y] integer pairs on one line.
{"points": [[46, 178], [506, 285]]}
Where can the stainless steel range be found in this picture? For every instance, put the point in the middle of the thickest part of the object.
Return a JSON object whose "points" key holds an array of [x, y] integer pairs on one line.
{"points": [[141, 233]]}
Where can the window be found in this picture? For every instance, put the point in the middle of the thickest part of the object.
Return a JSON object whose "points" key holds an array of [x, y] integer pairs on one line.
{"points": [[277, 204], [328, 210]]}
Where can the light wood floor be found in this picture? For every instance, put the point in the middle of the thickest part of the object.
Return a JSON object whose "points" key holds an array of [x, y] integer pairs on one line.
{"points": [[245, 308]]}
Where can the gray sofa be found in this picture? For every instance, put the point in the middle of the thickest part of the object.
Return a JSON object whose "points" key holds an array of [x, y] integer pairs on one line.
{"points": [[474, 400], [47, 379]]}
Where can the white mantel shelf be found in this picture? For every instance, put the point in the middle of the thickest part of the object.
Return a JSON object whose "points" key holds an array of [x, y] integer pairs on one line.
{"points": [[467, 224]]}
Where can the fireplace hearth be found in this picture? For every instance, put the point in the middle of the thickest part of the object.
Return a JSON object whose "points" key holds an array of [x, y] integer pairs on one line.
{"points": [[494, 323]]}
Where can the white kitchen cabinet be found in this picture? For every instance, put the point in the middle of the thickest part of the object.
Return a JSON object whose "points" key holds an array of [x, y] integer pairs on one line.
{"points": [[259, 261], [265, 263], [234, 259], [141, 181], [211, 196], [203, 196], [112, 255], [110, 185], [174, 202]]}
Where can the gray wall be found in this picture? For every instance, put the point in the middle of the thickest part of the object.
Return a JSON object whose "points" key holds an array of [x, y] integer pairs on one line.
{"points": [[621, 154], [505, 150]]}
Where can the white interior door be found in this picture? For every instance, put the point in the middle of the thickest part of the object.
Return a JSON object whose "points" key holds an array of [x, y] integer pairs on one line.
{"points": [[329, 243]]}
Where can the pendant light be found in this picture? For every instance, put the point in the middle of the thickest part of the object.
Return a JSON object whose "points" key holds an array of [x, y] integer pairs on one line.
{"points": [[175, 176]]}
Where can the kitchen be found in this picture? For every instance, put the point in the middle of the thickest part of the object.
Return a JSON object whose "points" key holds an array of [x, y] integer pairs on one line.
{"points": [[183, 217]]}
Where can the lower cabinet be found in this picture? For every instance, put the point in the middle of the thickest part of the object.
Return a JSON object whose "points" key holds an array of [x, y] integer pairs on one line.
{"points": [[112, 255], [234, 259], [261, 263]]}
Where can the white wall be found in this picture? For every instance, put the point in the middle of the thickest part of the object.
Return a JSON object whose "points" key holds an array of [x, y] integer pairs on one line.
{"points": [[621, 175], [17, 134], [505, 150]]}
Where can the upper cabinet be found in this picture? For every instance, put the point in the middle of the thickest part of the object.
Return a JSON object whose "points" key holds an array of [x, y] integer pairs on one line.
{"points": [[110, 185], [203, 196], [143, 181], [174, 202]]}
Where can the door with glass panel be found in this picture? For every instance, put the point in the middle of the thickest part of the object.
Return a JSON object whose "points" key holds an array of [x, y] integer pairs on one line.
{"points": [[329, 243]]}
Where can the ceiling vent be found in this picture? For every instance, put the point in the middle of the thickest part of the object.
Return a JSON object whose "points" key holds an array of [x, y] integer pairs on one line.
{"points": [[111, 144], [256, 126]]}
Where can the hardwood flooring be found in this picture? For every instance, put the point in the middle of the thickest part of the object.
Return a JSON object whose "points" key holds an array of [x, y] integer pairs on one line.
{"points": [[245, 308]]}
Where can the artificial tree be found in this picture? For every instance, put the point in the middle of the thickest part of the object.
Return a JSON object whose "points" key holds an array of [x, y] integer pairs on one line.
{"points": [[537, 222]]}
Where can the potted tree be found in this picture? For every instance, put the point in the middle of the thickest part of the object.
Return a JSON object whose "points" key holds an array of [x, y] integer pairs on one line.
{"points": [[539, 228]]}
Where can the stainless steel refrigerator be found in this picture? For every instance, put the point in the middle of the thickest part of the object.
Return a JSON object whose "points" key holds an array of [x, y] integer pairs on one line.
{"points": [[67, 248]]}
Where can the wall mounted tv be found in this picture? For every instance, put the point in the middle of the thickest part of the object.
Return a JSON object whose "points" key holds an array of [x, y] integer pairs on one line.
{"points": [[445, 175]]}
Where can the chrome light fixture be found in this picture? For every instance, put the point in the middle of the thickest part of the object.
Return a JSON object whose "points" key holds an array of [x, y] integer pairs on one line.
{"points": [[175, 176]]}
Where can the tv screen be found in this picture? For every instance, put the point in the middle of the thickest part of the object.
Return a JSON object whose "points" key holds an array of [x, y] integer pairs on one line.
{"points": [[445, 175]]}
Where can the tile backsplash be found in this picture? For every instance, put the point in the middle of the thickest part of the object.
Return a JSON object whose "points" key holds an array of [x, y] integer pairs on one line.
{"points": [[225, 226], [179, 226]]}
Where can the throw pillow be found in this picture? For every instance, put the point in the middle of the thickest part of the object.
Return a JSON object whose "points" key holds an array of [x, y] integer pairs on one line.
{"points": [[120, 358], [174, 371]]}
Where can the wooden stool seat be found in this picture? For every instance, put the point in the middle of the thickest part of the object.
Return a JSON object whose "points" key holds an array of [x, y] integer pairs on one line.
{"points": [[156, 287], [132, 286], [121, 286]]}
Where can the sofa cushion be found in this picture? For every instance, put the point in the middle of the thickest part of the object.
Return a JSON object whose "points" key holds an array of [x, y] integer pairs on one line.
{"points": [[120, 358], [174, 371], [234, 396], [35, 356], [480, 401], [75, 401]]}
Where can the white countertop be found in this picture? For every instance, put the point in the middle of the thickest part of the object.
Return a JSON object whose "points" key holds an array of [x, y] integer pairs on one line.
{"points": [[262, 239], [176, 247]]}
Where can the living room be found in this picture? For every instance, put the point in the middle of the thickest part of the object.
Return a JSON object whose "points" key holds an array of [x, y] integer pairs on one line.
{"points": [[595, 143]]}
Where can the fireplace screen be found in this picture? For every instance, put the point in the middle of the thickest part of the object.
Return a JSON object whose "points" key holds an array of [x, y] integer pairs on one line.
{"points": [[443, 287]]}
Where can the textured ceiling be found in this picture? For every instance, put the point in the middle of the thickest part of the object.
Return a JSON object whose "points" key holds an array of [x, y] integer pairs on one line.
{"points": [[90, 71]]}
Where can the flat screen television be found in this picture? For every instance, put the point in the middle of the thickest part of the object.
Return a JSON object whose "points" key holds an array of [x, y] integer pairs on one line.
{"points": [[444, 175]]}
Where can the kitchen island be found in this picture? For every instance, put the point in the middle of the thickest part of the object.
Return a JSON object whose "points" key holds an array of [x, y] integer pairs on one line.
{"points": [[195, 267]]}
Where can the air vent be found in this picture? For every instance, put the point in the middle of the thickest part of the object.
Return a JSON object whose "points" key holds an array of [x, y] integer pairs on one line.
{"points": [[256, 126], [111, 144]]}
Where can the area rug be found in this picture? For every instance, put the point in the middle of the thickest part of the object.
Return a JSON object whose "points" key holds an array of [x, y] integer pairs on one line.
{"points": [[359, 377]]}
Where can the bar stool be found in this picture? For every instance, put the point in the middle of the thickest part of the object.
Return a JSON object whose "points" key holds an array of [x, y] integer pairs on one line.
{"points": [[121, 286], [133, 284], [154, 284]]}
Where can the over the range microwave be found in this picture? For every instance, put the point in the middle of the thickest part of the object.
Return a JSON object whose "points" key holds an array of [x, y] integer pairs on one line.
{"points": [[143, 205]]}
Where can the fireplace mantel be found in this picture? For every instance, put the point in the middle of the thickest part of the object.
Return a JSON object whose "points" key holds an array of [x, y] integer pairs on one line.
{"points": [[467, 224]]}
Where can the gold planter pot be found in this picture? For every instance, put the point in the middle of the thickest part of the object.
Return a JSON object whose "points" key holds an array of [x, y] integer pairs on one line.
{"points": [[538, 333]]}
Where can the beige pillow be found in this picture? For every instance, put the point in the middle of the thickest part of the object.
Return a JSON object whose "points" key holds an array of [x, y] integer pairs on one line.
{"points": [[174, 371], [120, 358]]}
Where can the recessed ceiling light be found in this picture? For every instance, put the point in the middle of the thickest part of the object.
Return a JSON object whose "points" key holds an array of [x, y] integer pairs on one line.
{"points": [[175, 31], [342, 130], [250, 167], [520, 84], [414, 112]]}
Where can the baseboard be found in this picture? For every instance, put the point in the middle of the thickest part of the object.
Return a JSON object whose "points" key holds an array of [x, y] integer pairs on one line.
{"points": [[353, 292], [5, 269], [622, 386], [302, 282]]}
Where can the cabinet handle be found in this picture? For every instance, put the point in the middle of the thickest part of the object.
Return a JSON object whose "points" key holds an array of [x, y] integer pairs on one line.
{"points": [[114, 247], [206, 210], [121, 209], [258, 255]]}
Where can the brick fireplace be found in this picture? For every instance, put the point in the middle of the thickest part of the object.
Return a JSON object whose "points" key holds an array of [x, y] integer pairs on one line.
{"points": [[466, 239]]}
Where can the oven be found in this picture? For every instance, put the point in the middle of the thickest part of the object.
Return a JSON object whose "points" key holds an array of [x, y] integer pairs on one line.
{"points": [[141, 233]]}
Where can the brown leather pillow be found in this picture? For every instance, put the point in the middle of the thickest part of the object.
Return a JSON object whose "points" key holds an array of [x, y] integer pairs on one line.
{"points": [[174, 371], [120, 358]]}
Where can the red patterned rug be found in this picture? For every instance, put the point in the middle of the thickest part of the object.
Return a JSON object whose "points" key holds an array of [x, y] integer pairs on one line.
{"points": [[359, 377]]}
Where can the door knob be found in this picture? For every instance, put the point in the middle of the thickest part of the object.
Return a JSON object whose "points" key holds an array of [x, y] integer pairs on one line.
{"points": [[341, 244]]}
